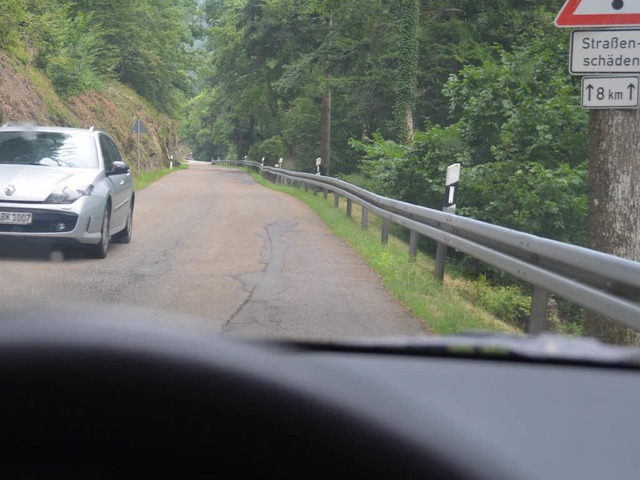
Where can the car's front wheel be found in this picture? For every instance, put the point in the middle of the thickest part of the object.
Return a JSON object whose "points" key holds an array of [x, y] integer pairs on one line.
{"points": [[100, 249]]}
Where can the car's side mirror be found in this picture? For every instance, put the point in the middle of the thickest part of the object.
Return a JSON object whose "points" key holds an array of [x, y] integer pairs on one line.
{"points": [[119, 168]]}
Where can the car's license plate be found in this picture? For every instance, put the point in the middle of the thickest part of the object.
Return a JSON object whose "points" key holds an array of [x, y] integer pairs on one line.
{"points": [[15, 218]]}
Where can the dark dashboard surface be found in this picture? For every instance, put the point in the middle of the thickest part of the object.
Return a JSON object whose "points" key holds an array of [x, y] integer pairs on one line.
{"points": [[543, 421], [135, 400]]}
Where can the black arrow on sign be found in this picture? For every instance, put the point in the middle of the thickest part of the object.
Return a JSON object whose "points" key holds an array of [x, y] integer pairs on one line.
{"points": [[631, 88], [589, 90]]}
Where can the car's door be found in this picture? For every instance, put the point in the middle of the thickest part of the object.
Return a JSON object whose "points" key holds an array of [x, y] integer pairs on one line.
{"points": [[122, 184]]}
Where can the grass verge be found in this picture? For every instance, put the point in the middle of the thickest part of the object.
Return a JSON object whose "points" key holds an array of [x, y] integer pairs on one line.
{"points": [[444, 309], [146, 178]]}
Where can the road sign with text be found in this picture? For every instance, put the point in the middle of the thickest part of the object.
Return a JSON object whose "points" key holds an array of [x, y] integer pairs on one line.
{"points": [[610, 92], [599, 13], [605, 51]]}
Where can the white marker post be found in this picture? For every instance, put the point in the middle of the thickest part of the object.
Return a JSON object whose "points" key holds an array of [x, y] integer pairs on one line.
{"points": [[318, 163], [451, 188], [450, 203]]}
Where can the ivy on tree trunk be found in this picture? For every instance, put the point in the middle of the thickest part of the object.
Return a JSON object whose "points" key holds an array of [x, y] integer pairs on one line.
{"points": [[406, 82], [325, 125]]}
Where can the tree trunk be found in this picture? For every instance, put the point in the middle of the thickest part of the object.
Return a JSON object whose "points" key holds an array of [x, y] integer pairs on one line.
{"points": [[614, 201], [407, 76], [325, 131], [408, 124], [325, 121]]}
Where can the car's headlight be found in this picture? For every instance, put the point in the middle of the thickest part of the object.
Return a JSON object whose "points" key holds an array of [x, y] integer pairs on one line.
{"points": [[68, 194]]}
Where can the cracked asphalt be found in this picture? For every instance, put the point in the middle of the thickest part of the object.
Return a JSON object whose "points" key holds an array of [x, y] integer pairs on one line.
{"points": [[213, 248]]}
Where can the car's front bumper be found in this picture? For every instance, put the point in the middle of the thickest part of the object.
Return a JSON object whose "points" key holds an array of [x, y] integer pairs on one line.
{"points": [[78, 222]]}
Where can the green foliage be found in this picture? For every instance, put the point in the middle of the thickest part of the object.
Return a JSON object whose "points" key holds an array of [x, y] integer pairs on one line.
{"points": [[80, 43], [509, 303], [12, 14], [525, 137], [413, 173], [148, 45], [68, 50], [520, 136], [271, 149], [204, 126], [273, 59], [523, 104], [530, 197]]}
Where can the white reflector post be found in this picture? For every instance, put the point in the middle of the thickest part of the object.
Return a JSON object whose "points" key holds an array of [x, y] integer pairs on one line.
{"points": [[451, 192]]}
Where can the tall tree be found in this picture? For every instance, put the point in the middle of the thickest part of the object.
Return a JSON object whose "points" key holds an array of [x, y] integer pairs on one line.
{"points": [[325, 122], [407, 68], [614, 201]]}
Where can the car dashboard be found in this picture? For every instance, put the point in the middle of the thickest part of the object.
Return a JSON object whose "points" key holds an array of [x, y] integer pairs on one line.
{"points": [[86, 398]]}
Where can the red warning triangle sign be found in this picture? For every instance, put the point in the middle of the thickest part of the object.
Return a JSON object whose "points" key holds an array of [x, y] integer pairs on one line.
{"points": [[599, 13]]}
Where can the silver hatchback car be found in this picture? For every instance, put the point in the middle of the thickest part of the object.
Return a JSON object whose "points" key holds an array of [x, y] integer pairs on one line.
{"points": [[64, 186]]}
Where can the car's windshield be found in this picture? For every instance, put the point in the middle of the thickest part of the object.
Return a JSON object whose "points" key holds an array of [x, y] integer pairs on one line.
{"points": [[48, 149], [324, 169]]}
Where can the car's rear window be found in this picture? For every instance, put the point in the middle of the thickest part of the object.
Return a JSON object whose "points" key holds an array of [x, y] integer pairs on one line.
{"points": [[53, 149]]}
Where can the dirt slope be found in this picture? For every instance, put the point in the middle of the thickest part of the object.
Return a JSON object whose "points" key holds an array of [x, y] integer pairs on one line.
{"points": [[26, 95]]}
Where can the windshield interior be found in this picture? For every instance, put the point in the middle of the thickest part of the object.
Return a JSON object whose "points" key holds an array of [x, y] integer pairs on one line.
{"points": [[324, 169], [47, 149]]}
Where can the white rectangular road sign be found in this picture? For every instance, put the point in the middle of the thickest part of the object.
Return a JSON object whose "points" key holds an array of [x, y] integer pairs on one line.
{"points": [[610, 92], [605, 51]]}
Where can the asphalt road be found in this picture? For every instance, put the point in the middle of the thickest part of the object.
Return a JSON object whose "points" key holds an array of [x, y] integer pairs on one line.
{"points": [[212, 247]]}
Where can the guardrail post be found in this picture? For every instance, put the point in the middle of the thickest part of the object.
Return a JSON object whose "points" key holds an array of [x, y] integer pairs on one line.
{"points": [[441, 259], [365, 218], [326, 193], [539, 302], [336, 199], [385, 230], [413, 244], [315, 190], [349, 207]]}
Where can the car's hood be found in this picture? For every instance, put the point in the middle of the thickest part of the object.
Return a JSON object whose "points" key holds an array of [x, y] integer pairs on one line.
{"points": [[34, 183]]}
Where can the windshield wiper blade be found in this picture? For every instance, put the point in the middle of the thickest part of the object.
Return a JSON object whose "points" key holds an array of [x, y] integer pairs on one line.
{"points": [[547, 347]]}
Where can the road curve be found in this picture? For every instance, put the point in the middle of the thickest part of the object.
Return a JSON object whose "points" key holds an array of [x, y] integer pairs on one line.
{"points": [[212, 247]]}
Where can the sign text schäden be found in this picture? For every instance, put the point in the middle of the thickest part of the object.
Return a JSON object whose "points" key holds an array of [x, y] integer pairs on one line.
{"points": [[605, 51]]}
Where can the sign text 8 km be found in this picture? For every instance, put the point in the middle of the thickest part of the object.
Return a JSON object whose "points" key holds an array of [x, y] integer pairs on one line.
{"points": [[605, 51], [610, 92]]}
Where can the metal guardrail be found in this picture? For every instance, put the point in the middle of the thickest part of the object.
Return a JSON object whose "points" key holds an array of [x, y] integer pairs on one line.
{"points": [[599, 282]]}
